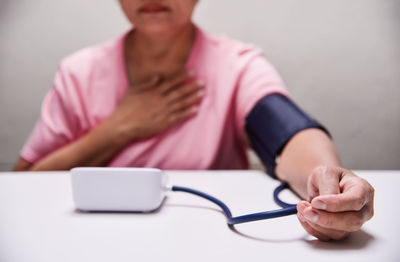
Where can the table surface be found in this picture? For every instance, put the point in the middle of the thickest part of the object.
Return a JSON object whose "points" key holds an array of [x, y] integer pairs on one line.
{"points": [[38, 222]]}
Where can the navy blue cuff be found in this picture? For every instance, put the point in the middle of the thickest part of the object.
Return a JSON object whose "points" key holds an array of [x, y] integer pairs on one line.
{"points": [[272, 123]]}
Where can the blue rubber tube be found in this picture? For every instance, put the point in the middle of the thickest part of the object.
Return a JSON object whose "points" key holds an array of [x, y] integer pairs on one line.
{"points": [[288, 209]]}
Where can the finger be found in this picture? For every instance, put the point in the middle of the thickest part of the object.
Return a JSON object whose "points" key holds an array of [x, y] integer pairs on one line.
{"points": [[150, 83], [327, 179], [331, 233], [344, 221], [328, 233], [313, 182], [312, 189], [187, 102], [310, 230], [183, 115], [184, 91], [174, 82], [356, 194]]}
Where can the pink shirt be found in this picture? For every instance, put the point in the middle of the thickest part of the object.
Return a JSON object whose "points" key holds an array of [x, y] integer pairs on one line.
{"points": [[90, 84]]}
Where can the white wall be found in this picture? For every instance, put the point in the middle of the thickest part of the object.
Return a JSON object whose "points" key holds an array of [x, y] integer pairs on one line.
{"points": [[340, 59]]}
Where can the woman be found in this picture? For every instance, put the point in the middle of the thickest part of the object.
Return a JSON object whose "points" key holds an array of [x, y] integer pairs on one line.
{"points": [[168, 95]]}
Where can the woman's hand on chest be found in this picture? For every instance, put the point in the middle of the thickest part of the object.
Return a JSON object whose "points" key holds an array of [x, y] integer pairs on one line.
{"points": [[155, 105]]}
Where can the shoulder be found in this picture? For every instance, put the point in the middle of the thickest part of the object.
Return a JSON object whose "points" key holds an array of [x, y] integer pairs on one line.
{"points": [[229, 56], [233, 49], [92, 59], [82, 74]]}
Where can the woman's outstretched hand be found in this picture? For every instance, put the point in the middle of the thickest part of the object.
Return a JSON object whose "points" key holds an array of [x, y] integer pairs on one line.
{"points": [[154, 106], [339, 203]]}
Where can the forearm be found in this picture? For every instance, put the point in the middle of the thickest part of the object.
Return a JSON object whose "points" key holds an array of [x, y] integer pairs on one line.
{"points": [[305, 151], [96, 148]]}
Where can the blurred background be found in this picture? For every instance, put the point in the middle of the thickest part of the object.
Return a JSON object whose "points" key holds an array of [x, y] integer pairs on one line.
{"points": [[340, 59]]}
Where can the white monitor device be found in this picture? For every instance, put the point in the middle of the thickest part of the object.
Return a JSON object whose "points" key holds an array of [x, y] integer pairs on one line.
{"points": [[118, 189]]}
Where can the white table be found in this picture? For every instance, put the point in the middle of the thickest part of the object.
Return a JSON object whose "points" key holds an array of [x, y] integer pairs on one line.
{"points": [[38, 223]]}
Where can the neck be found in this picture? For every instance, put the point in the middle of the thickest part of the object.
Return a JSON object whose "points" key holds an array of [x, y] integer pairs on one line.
{"points": [[158, 48]]}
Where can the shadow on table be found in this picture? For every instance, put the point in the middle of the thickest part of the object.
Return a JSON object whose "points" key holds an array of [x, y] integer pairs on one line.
{"points": [[356, 240], [235, 230], [265, 239]]}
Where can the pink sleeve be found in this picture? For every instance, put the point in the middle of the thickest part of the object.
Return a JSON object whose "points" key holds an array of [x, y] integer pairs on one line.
{"points": [[258, 79], [57, 125]]}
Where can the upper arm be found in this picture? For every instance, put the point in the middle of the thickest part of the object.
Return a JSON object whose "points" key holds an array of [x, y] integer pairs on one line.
{"points": [[258, 79], [57, 125], [272, 123]]}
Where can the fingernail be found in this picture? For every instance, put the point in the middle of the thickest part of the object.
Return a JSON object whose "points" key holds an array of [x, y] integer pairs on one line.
{"points": [[200, 93], [311, 215], [191, 72], [319, 205]]}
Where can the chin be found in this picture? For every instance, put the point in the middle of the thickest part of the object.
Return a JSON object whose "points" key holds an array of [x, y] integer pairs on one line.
{"points": [[157, 27]]}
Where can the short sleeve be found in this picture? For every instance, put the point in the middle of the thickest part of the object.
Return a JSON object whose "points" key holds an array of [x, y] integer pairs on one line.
{"points": [[258, 79], [57, 124]]}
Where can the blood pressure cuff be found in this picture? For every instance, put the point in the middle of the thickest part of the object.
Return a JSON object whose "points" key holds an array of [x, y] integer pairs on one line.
{"points": [[272, 123]]}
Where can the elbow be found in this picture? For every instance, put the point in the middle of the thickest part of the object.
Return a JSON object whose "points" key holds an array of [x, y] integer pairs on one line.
{"points": [[23, 166]]}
